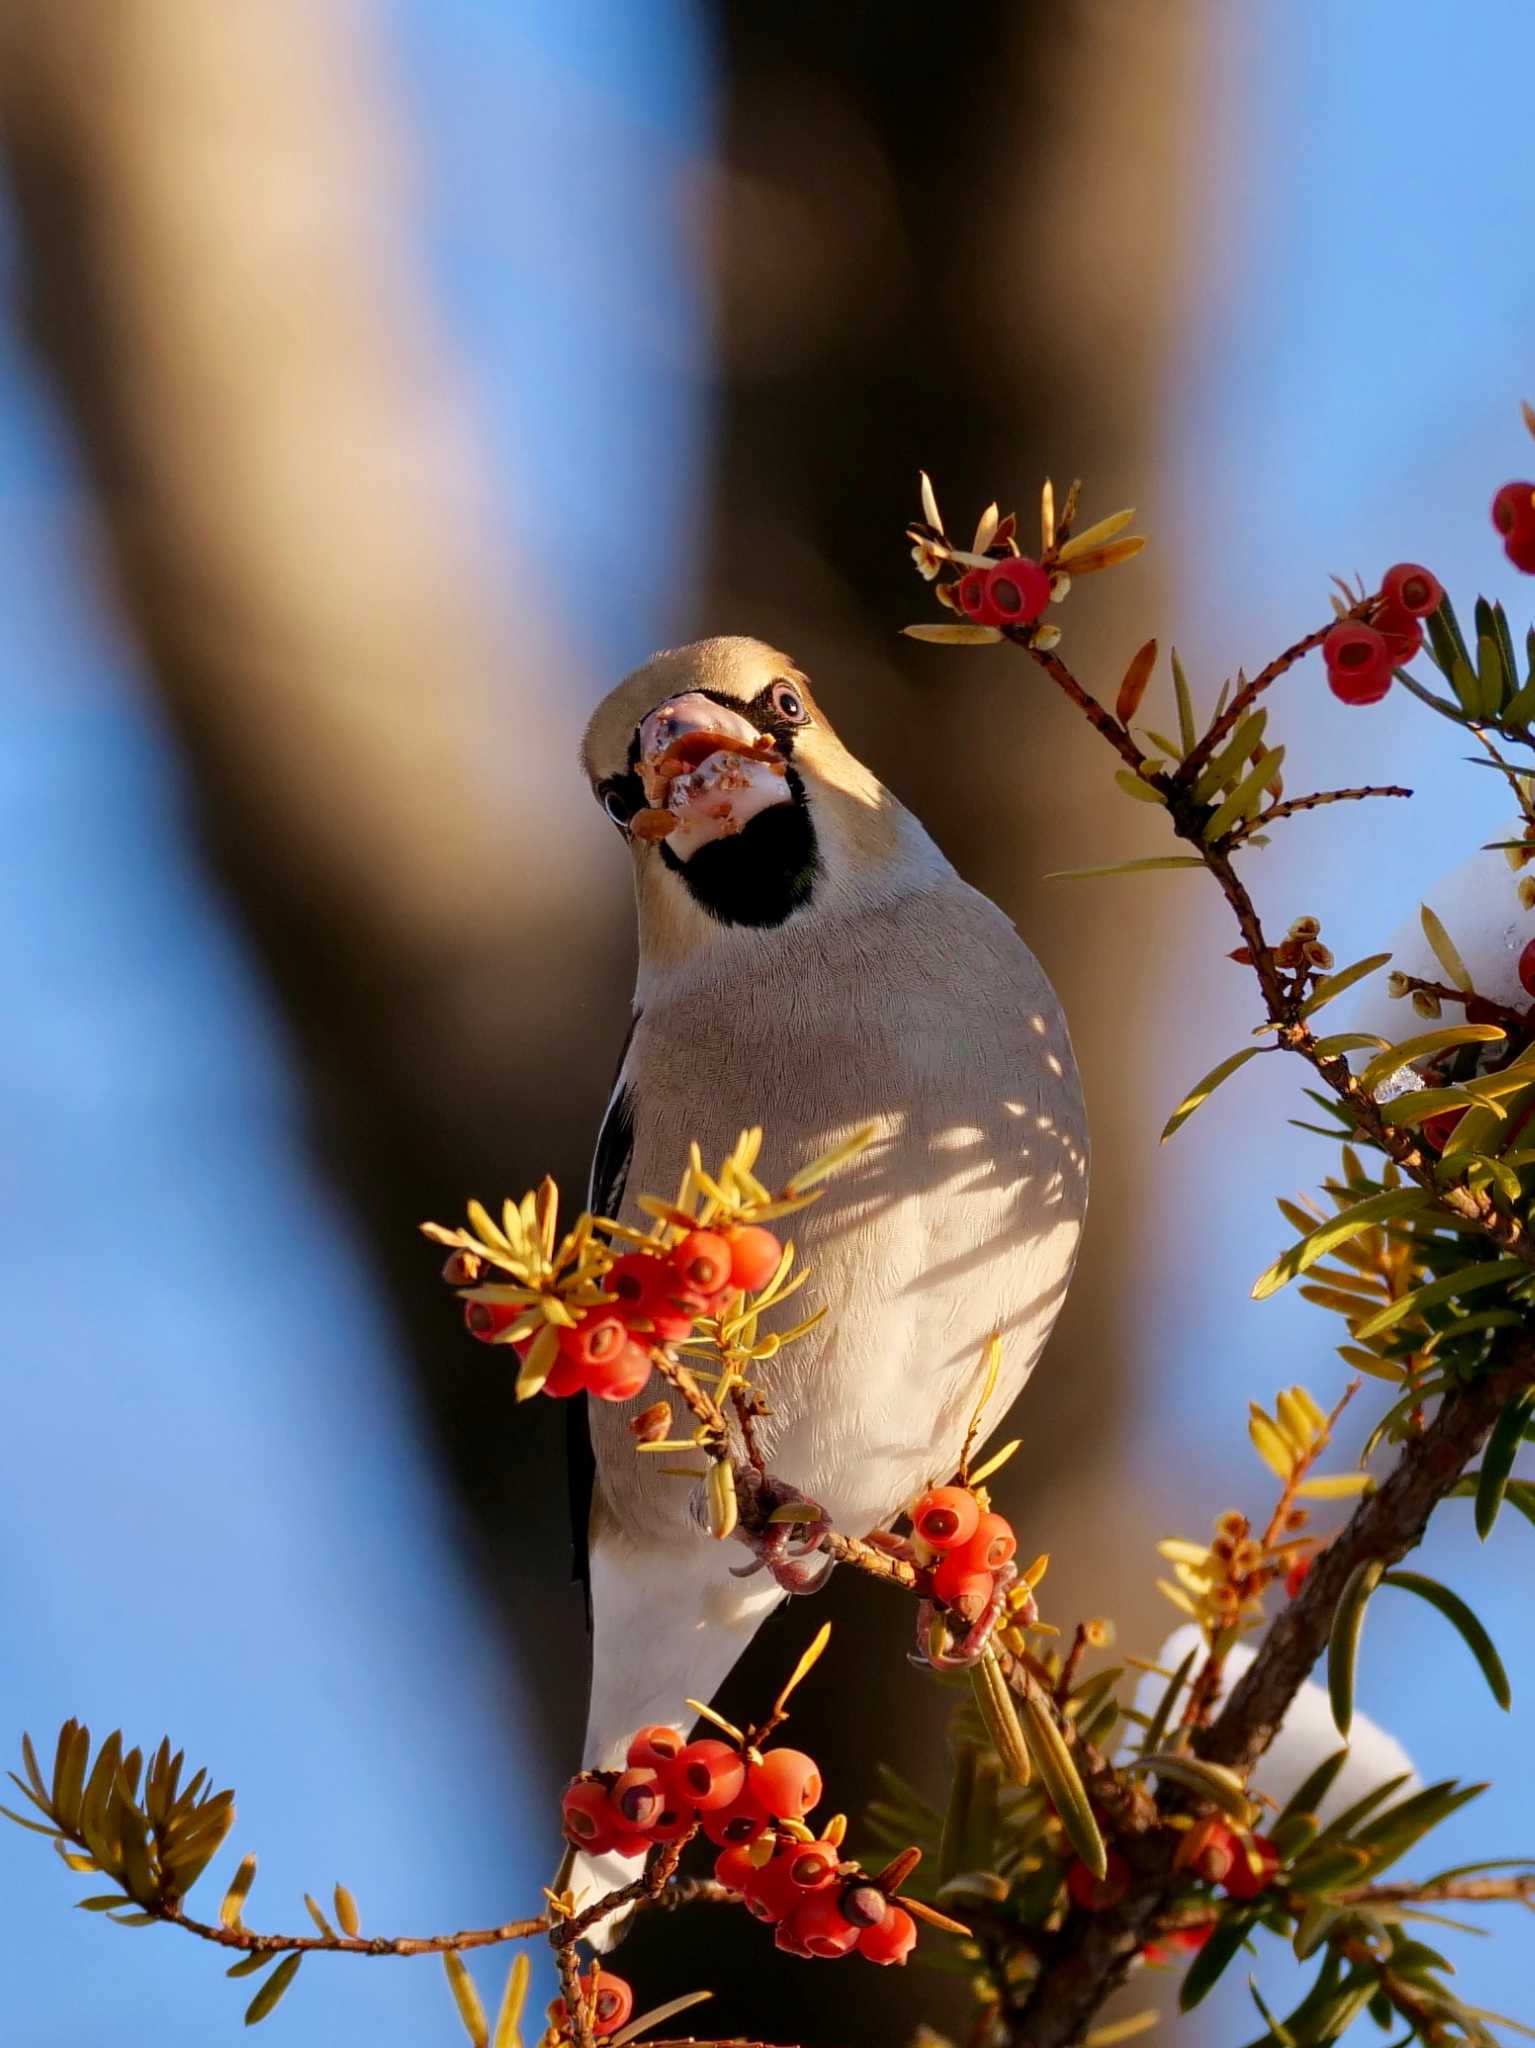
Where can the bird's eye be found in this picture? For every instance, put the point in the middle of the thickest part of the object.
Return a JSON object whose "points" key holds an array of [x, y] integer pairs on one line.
{"points": [[789, 704], [619, 805]]}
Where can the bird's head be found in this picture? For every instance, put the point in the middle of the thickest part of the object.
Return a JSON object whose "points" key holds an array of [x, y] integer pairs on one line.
{"points": [[740, 804]]}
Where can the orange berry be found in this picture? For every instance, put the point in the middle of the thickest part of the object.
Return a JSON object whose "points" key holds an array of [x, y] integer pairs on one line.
{"points": [[640, 1798], [733, 1826], [812, 1864], [622, 1377], [770, 1893], [709, 1774], [823, 1927], [487, 1319], [892, 1941], [565, 1378], [701, 1261], [657, 1746], [962, 1586], [610, 2002], [754, 1256], [599, 1335], [588, 1816], [1214, 1855], [1242, 1880], [786, 1782], [734, 1867], [990, 1546], [946, 1516]]}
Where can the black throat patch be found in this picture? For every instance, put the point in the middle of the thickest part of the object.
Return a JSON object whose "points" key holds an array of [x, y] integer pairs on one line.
{"points": [[760, 875]]}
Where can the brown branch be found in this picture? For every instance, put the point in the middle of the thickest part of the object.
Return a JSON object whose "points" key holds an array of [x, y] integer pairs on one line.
{"points": [[1310, 803], [1095, 1950], [1513, 1021], [1512, 1890], [251, 1943]]}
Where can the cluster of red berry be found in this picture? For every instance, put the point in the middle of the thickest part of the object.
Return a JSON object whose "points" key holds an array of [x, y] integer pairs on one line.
{"points": [[1513, 514], [1361, 659], [752, 1807], [1012, 592], [608, 1998], [650, 1296], [971, 1545], [1241, 1866]]}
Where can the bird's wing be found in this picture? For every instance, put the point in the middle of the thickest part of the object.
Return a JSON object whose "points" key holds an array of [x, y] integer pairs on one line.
{"points": [[604, 1197]]}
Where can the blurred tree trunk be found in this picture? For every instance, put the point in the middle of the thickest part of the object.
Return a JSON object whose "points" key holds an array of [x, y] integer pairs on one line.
{"points": [[952, 246], [214, 235]]}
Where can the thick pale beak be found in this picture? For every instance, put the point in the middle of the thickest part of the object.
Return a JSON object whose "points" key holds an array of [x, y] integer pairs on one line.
{"points": [[706, 772]]}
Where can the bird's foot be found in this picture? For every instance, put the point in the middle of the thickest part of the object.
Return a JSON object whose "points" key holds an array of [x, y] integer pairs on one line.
{"points": [[940, 1650], [891, 1545], [784, 1549]]}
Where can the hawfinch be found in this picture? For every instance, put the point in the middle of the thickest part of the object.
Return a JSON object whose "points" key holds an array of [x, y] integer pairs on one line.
{"points": [[809, 961]]}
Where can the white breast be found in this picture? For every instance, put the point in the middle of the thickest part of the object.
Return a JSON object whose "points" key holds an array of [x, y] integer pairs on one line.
{"points": [[930, 1018]]}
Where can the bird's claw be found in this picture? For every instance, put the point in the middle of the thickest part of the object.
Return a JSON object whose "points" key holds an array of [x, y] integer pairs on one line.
{"points": [[784, 1548], [972, 1646]]}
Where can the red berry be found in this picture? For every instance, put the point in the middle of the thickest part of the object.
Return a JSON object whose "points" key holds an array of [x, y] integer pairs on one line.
{"points": [[640, 1798], [1409, 587], [1216, 1854], [822, 1927], [786, 1936], [610, 2003], [709, 1775], [1358, 663], [646, 1286], [734, 1867], [754, 1257], [620, 1378], [733, 1826], [1295, 1577], [1243, 1880], [770, 1893], [1018, 590], [1092, 1893], [946, 1516], [1435, 1130], [892, 1941], [812, 1864], [701, 1261], [588, 1816], [1401, 632], [974, 601], [564, 1378], [1192, 1939], [965, 1587], [598, 1336], [1513, 512], [1520, 550], [1527, 969], [990, 1544], [656, 1747], [786, 1782], [487, 1319]]}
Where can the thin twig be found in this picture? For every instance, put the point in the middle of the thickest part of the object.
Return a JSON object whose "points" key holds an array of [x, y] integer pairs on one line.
{"points": [[1245, 697], [1318, 797]]}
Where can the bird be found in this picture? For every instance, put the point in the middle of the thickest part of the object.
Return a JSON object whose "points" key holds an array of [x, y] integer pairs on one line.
{"points": [[811, 963]]}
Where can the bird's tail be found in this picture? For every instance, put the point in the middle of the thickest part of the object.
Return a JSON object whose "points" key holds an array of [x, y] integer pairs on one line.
{"points": [[668, 1622]]}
